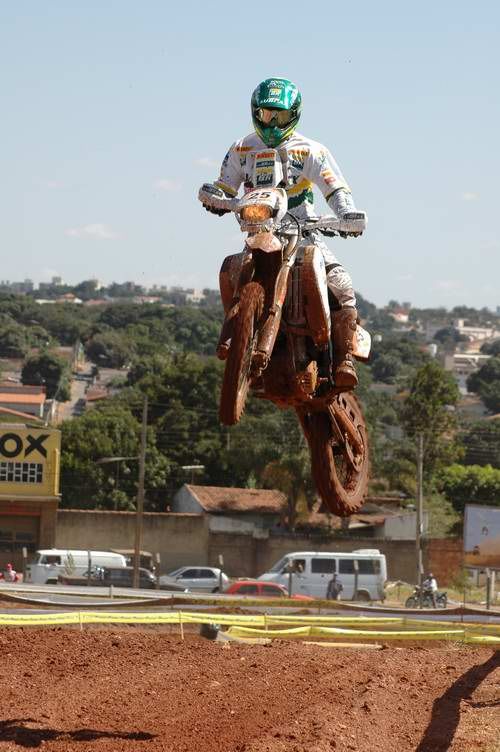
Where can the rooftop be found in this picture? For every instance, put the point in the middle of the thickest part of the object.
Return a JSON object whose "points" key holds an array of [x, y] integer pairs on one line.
{"points": [[217, 499], [22, 399]]}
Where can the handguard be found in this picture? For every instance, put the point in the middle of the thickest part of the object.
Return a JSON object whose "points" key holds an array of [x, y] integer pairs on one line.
{"points": [[215, 200], [343, 205]]}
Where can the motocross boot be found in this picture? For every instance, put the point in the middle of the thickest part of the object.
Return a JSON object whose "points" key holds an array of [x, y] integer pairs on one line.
{"points": [[343, 331]]}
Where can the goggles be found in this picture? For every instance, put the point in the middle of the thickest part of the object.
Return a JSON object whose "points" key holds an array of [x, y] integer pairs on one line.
{"points": [[279, 117]]}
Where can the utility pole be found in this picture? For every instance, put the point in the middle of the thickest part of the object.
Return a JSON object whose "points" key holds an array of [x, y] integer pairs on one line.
{"points": [[140, 495], [420, 507]]}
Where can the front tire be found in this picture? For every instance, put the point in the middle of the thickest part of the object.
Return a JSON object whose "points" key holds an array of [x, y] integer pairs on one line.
{"points": [[236, 381]]}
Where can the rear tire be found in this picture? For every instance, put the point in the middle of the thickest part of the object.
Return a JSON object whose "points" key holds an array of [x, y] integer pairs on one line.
{"points": [[236, 381], [341, 486], [363, 596]]}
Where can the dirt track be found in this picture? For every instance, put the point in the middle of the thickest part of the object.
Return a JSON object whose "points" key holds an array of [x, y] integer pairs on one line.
{"points": [[131, 689]]}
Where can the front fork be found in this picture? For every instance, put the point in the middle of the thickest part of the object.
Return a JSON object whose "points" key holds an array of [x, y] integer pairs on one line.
{"points": [[231, 280], [269, 330]]}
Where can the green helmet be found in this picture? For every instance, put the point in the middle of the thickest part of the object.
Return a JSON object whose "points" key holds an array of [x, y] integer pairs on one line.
{"points": [[276, 105]]}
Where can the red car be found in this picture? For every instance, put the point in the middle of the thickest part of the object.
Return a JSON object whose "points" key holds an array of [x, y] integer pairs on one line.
{"points": [[257, 588]]}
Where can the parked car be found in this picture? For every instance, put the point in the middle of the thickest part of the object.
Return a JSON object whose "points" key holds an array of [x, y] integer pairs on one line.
{"points": [[258, 588], [364, 569], [201, 579], [106, 576], [49, 563]]}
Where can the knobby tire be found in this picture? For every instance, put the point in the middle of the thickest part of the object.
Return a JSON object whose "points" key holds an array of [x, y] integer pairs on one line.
{"points": [[236, 381], [341, 487]]}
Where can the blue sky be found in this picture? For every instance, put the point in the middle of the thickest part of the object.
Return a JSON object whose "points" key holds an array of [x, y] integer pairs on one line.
{"points": [[114, 112]]}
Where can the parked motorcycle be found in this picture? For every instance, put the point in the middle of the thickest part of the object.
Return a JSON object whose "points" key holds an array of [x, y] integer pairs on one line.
{"points": [[276, 340], [422, 598]]}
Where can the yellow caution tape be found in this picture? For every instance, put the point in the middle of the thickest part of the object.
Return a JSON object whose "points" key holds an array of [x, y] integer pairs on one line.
{"points": [[456, 634], [277, 626]]}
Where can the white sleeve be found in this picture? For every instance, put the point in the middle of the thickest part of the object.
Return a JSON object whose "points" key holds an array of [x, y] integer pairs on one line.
{"points": [[231, 174], [323, 171]]}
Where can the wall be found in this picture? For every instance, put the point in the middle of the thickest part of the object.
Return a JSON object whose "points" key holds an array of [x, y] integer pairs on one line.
{"points": [[180, 539], [186, 539], [184, 501], [444, 558]]}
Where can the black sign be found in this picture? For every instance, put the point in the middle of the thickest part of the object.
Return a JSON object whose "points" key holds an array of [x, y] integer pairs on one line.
{"points": [[17, 445]]}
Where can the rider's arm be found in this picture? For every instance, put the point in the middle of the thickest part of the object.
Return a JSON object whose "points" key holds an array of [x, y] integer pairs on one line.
{"points": [[214, 196], [326, 174]]}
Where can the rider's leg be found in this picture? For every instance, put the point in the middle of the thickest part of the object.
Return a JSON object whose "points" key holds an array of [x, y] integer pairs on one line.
{"points": [[343, 320]]}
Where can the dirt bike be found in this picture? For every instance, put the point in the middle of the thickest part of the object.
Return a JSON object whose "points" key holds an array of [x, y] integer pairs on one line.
{"points": [[421, 598], [276, 340]]}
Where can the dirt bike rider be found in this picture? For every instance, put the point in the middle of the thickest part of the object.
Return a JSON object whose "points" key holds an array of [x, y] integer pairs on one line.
{"points": [[276, 107]]}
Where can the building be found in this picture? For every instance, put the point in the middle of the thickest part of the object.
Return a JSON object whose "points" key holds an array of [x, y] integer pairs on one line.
{"points": [[242, 510], [27, 399], [463, 364], [401, 315], [29, 490], [475, 333]]}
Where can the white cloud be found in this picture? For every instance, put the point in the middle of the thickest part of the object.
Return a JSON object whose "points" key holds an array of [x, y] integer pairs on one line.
{"points": [[166, 184], [44, 183], [405, 278], [448, 284], [470, 196], [97, 230], [207, 162]]}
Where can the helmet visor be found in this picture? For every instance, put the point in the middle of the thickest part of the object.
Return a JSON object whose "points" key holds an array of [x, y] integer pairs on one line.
{"points": [[267, 116]]}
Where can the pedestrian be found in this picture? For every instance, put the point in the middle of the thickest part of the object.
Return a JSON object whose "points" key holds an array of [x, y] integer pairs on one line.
{"points": [[10, 574], [334, 589], [430, 586]]}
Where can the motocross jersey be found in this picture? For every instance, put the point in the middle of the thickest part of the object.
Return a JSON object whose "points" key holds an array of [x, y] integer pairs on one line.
{"points": [[309, 163]]}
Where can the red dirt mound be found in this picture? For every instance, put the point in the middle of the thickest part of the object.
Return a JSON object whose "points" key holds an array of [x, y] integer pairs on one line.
{"points": [[130, 689]]}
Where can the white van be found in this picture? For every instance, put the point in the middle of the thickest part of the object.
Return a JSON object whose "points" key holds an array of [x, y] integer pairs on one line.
{"points": [[49, 563], [312, 570]]}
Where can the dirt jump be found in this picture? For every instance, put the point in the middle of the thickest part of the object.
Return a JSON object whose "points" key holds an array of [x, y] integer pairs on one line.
{"points": [[122, 688]]}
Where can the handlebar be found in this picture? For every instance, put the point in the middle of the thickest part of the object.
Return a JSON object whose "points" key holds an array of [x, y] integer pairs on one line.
{"points": [[330, 225]]}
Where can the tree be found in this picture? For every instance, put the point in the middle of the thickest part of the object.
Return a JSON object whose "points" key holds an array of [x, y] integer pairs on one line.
{"points": [[51, 371], [110, 349], [111, 430], [491, 348], [292, 475], [13, 339], [429, 411], [486, 383], [470, 484], [448, 337], [396, 358], [481, 441], [386, 368]]}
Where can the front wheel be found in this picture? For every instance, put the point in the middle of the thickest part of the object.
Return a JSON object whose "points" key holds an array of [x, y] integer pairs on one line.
{"points": [[340, 471], [236, 381], [411, 602]]}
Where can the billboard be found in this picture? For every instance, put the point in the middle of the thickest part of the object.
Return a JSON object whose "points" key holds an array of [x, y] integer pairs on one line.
{"points": [[29, 460], [482, 536]]}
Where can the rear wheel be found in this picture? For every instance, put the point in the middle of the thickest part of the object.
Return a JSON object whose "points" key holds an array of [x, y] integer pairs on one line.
{"points": [[236, 381], [340, 471], [362, 596]]}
